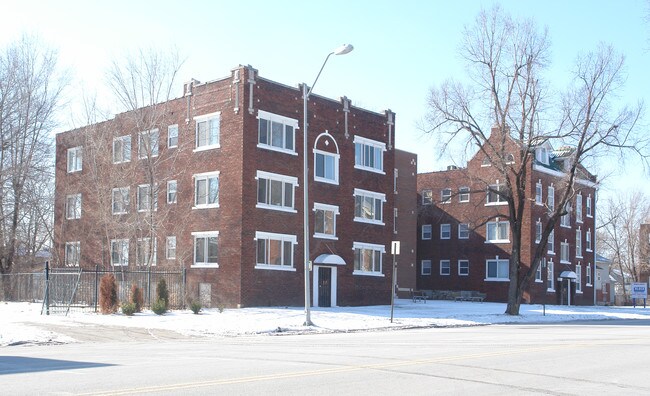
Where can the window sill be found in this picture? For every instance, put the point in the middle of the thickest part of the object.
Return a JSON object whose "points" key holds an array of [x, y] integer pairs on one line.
{"points": [[498, 241], [326, 236], [277, 149], [579, 221], [539, 203], [496, 280], [205, 148], [210, 206], [590, 216], [496, 204], [276, 208], [589, 285], [445, 239], [74, 171], [552, 253], [373, 170], [119, 213], [578, 291], [170, 203], [145, 157], [426, 239], [204, 265], [121, 162], [274, 267], [360, 220], [463, 201], [565, 226], [539, 281], [366, 273], [463, 238], [589, 250], [425, 274], [550, 290], [445, 274], [579, 257], [325, 180], [565, 262], [463, 274]]}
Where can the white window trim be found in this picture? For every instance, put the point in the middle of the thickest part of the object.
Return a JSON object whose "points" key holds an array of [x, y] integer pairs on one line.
{"points": [[487, 195], [378, 145], [497, 259], [551, 238], [265, 115], [201, 118], [175, 193], [568, 260], [497, 222], [549, 265], [77, 245], [445, 224], [337, 157], [206, 175], [78, 151], [590, 212], [278, 177], [122, 240], [67, 209], [461, 192], [448, 267], [169, 146], [283, 238], [203, 234], [579, 251], [541, 193], [550, 193], [430, 232], [327, 207], [444, 199], [375, 195], [590, 277], [465, 261], [422, 268], [579, 279], [167, 256], [370, 246], [128, 192], [155, 248], [587, 248], [459, 229], [140, 153], [430, 192], [579, 208], [153, 205], [123, 137]]}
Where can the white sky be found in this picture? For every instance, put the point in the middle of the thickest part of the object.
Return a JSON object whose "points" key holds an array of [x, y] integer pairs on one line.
{"points": [[402, 48]]}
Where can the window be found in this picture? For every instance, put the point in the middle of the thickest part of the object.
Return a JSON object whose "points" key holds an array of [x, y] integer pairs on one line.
{"points": [[445, 195], [394, 220], [497, 269], [145, 252], [122, 149], [368, 154], [538, 231], [206, 190], [589, 212], [367, 258], [494, 196], [550, 280], [368, 206], [578, 243], [426, 231], [578, 278], [463, 194], [326, 168], [550, 200], [170, 248], [276, 132], [486, 162], [148, 144], [395, 175], [538, 192], [542, 155], [426, 267], [427, 197], [510, 158], [550, 244], [275, 251], [207, 131], [275, 191], [538, 271], [72, 254], [497, 231], [205, 249], [565, 220], [325, 220], [171, 191], [588, 240], [445, 231], [564, 252], [146, 198], [463, 267], [463, 231], [172, 136], [579, 208], [73, 206], [75, 155], [120, 200], [120, 252], [445, 267], [588, 275]]}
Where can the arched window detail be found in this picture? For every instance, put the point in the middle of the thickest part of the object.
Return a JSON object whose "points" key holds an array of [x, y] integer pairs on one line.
{"points": [[326, 159]]}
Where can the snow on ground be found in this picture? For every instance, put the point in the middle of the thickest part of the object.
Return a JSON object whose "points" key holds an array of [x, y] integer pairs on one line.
{"points": [[22, 323]]}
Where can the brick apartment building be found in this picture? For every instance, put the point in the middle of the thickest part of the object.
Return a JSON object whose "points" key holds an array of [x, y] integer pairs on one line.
{"points": [[212, 182], [463, 245]]}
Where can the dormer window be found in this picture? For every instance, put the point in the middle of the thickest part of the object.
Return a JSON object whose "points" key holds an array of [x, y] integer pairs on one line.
{"points": [[542, 155]]}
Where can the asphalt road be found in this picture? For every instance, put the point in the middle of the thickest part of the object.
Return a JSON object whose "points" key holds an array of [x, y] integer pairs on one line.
{"points": [[584, 358]]}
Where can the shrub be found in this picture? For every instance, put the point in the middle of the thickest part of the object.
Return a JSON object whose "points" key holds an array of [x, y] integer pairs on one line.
{"points": [[221, 307], [108, 303], [195, 306], [137, 299], [162, 293], [159, 307], [129, 308]]}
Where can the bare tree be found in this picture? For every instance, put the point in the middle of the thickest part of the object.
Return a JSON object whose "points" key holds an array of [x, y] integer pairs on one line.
{"points": [[506, 59]]}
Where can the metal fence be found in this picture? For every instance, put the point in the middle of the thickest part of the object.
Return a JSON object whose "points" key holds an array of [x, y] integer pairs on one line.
{"points": [[75, 288]]}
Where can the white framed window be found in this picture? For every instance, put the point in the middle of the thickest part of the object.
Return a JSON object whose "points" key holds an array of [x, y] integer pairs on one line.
{"points": [[120, 199], [486, 161], [172, 136], [207, 131], [72, 253], [445, 267], [463, 194], [497, 232], [427, 197], [550, 199], [172, 189], [538, 231], [122, 149], [588, 275], [369, 154], [538, 271], [493, 196], [206, 249], [170, 247], [542, 155], [425, 267], [119, 252], [463, 231], [145, 252], [206, 190], [276, 132], [147, 198], [369, 206], [148, 142], [394, 220], [565, 219], [538, 192], [564, 252], [579, 208], [395, 175], [326, 167], [325, 220], [276, 191], [445, 231], [588, 240], [275, 251], [75, 159], [578, 278], [463, 267], [589, 210], [426, 231], [445, 195], [578, 243], [510, 159], [73, 206], [550, 276], [550, 244], [368, 258], [497, 269]]}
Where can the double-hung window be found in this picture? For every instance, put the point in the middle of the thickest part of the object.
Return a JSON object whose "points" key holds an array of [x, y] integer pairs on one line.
{"points": [[276, 132], [206, 248], [426, 231], [207, 131], [276, 191], [497, 269], [145, 252], [565, 220], [588, 240], [588, 275], [275, 251], [445, 267], [72, 253], [463, 231], [172, 136], [494, 194], [122, 149], [325, 220], [170, 248], [550, 200], [427, 197], [445, 195], [367, 258], [147, 198], [73, 206], [120, 200], [538, 192], [148, 144], [75, 159], [497, 232], [550, 244], [589, 212], [538, 231], [463, 194], [120, 252], [206, 190], [550, 277], [368, 206], [326, 168], [538, 271], [171, 191], [369, 154], [463, 267], [425, 267], [579, 208], [564, 252], [578, 278], [578, 243], [445, 231]]}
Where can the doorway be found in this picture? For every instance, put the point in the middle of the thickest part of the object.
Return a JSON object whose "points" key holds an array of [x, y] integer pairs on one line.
{"points": [[324, 286]]}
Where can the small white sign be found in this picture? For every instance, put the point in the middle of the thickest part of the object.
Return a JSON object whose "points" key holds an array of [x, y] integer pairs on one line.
{"points": [[639, 290], [394, 248]]}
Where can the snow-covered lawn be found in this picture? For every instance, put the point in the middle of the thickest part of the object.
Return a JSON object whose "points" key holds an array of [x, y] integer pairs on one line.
{"points": [[22, 323]]}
